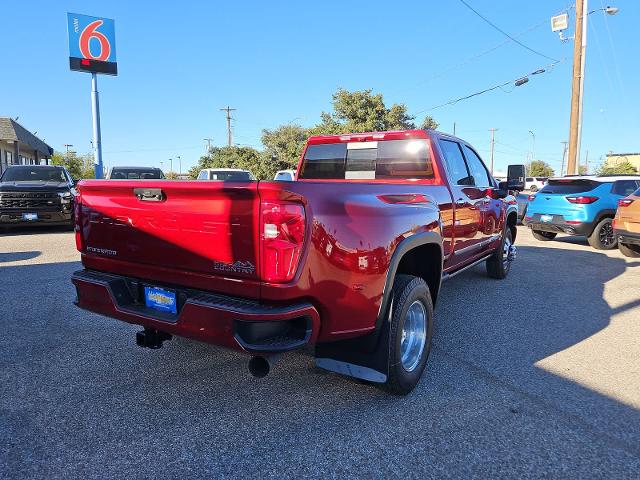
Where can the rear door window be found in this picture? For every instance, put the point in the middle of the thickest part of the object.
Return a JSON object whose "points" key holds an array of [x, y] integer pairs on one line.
{"points": [[624, 187], [478, 170], [569, 186], [454, 161]]}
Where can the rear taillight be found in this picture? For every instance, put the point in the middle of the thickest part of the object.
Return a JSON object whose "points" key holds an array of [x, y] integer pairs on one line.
{"points": [[582, 200], [282, 239], [77, 213], [625, 202]]}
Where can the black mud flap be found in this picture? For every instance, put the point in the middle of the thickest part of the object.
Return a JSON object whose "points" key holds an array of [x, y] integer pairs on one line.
{"points": [[366, 358]]}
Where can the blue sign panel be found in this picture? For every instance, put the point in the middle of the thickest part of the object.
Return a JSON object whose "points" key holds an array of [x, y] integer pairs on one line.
{"points": [[92, 44]]}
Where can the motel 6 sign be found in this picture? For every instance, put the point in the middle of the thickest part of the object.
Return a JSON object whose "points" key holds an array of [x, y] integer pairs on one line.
{"points": [[92, 44]]}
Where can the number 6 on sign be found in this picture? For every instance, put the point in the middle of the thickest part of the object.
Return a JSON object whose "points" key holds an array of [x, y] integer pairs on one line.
{"points": [[92, 44]]}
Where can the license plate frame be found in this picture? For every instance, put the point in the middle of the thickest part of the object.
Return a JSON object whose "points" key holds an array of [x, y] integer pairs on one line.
{"points": [[160, 299], [30, 217]]}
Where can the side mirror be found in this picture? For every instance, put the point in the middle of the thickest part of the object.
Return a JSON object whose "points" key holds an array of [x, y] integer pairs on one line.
{"points": [[500, 192], [515, 177]]}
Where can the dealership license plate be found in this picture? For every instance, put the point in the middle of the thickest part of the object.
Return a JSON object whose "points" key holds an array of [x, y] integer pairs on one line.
{"points": [[546, 218], [29, 217], [160, 299]]}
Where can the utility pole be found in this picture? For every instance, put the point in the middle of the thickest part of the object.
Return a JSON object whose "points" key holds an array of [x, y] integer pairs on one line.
{"points": [[161, 164], [171, 165], [179, 164], [67, 145], [493, 138], [564, 155], [579, 46], [208, 140], [229, 134]]}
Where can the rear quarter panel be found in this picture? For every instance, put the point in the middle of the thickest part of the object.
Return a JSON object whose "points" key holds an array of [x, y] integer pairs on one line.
{"points": [[354, 229]]}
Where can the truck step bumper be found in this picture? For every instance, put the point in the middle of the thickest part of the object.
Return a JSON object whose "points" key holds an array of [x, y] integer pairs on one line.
{"points": [[235, 323]]}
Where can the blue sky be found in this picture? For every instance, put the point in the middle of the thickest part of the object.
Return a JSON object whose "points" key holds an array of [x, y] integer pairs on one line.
{"points": [[275, 62]]}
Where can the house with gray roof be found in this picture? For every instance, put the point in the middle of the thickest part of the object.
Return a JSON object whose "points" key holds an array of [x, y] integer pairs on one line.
{"points": [[18, 146]]}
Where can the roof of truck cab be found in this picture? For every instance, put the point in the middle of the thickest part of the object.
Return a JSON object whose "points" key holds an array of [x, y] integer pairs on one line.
{"points": [[367, 136]]}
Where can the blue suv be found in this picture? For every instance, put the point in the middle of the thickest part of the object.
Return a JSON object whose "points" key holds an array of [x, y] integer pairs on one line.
{"points": [[579, 206]]}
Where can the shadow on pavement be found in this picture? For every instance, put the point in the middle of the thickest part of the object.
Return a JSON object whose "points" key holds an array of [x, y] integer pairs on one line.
{"points": [[31, 230], [77, 392], [17, 256]]}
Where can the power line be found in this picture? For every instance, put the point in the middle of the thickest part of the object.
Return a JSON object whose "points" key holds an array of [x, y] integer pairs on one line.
{"points": [[505, 33], [466, 97], [613, 50]]}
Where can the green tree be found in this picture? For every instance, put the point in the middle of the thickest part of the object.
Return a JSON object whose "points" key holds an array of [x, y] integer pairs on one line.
{"points": [[362, 111], [539, 168], [582, 170], [624, 167], [429, 123], [246, 158], [283, 146], [79, 166]]}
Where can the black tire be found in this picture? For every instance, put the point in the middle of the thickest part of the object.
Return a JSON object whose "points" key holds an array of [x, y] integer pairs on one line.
{"points": [[499, 264], [603, 237], [407, 290], [543, 236], [632, 251]]}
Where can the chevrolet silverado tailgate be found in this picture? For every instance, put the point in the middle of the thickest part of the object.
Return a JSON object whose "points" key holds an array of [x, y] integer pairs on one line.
{"points": [[191, 229]]}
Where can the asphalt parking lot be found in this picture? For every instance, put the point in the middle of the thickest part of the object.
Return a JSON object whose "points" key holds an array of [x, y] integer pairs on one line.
{"points": [[534, 376]]}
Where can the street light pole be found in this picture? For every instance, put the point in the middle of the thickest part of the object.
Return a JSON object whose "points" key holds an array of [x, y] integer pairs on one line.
{"points": [[493, 141], [533, 145], [179, 164]]}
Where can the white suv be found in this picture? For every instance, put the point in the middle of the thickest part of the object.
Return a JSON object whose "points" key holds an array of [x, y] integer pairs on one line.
{"points": [[534, 183]]}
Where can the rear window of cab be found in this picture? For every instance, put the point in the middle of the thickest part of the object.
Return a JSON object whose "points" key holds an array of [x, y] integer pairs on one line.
{"points": [[388, 159]]}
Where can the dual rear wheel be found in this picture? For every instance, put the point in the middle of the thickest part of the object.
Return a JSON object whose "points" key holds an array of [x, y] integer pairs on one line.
{"points": [[411, 321]]}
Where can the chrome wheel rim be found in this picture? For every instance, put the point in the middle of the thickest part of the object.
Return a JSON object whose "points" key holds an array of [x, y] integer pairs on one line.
{"points": [[506, 250], [414, 336], [606, 235]]}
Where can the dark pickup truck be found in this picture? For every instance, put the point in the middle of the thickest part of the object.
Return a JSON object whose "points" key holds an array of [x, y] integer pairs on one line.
{"points": [[349, 258], [36, 195]]}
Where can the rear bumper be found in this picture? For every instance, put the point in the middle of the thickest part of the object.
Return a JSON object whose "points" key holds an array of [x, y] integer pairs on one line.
{"points": [[230, 322], [559, 226], [628, 238], [15, 217]]}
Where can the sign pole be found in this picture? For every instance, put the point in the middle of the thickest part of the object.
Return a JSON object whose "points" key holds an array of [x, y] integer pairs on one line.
{"points": [[97, 137]]}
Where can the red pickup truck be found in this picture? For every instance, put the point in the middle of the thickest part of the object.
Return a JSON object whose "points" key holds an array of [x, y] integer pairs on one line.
{"points": [[349, 258]]}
